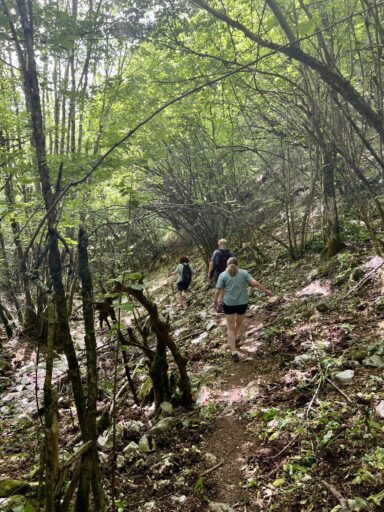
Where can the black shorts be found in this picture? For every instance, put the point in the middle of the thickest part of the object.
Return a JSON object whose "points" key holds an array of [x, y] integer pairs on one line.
{"points": [[231, 310], [182, 286]]}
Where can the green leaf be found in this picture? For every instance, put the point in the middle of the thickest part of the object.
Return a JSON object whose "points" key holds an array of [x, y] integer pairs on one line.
{"points": [[199, 485], [126, 306], [306, 27], [136, 286]]}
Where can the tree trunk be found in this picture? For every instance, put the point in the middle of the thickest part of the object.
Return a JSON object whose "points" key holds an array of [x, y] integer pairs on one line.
{"points": [[90, 472], [331, 219]]}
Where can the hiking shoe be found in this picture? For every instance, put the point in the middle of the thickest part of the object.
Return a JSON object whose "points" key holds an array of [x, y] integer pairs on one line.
{"points": [[235, 357]]}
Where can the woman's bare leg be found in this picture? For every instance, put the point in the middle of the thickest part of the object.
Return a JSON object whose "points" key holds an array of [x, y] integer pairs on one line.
{"points": [[238, 323], [231, 332]]}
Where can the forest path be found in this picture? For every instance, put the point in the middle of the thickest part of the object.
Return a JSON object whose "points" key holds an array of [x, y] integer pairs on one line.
{"points": [[229, 440]]}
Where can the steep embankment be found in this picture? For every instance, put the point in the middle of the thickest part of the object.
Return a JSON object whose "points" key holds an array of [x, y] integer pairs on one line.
{"points": [[296, 425]]}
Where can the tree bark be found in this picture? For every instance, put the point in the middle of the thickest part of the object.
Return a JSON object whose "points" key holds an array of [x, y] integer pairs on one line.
{"points": [[331, 219]]}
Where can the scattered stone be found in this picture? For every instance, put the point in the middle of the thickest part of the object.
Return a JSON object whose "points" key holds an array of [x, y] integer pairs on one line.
{"points": [[162, 426], [219, 507], [210, 458], [380, 409], [165, 466], [179, 499], [317, 287], [210, 326], [200, 338], [150, 505], [131, 450], [106, 442], [302, 359], [5, 410], [314, 274], [146, 444], [180, 482], [345, 376], [374, 262], [322, 307], [166, 409], [201, 315], [134, 427], [375, 361], [120, 461]]}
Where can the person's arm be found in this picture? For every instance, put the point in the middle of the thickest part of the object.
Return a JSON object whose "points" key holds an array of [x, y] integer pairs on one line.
{"points": [[259, 286], [210, 269], [218, 298], [175, 272]]}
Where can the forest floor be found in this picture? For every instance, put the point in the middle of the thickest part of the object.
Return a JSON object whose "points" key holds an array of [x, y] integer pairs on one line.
{"points": [[296, 425]]}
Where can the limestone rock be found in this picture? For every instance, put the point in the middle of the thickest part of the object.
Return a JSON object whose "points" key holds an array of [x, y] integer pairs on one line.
{"points": [[219, 507], [106, 441], [345, 376], [380, 409], [134, 427], [146, 445], [166, 409], [131, 450], [322, 307], [210, 326], [162, 426], [150, 505], [210, 458], [302, 359], [375, 361]]}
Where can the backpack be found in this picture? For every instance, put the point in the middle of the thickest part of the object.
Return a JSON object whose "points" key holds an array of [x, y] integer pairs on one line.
{"points": [[224, 255], [187, 274]]}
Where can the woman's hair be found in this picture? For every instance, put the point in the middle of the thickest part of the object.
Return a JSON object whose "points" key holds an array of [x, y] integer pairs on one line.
{"points": [[183, 259], [222, 243], [232, 266]]}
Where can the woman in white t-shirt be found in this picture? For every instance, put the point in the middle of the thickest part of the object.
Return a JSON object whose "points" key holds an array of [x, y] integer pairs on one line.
{"points": [[232, 289]]}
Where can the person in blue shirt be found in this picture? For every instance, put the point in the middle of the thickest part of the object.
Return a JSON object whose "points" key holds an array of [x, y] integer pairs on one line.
{"points": [[232, 289], [184, 272]]}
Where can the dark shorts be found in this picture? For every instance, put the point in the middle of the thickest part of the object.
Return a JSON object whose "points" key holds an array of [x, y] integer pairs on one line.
{"points": [[231, 310], [182, 286]]}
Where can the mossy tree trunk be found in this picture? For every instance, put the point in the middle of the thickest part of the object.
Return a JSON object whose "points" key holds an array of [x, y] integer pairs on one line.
{"points": [[90, 471], [331, 218]]}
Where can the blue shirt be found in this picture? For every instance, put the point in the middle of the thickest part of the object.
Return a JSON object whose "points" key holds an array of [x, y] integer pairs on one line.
{"points": [[179, 271], [236, 287]]}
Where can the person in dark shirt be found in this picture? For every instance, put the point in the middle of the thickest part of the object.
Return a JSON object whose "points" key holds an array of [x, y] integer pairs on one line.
{"points": [[219, 260]]}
